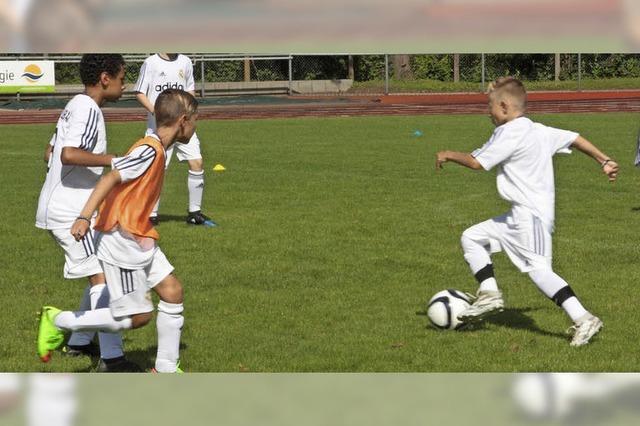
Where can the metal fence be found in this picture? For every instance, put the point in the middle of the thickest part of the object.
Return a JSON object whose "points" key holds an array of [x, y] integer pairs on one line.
{"points": [[218, 74]]}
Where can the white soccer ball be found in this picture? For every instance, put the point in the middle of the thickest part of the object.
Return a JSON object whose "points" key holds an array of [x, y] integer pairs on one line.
{"points": [[445, 306]]}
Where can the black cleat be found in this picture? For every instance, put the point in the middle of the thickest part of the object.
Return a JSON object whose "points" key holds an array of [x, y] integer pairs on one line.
{"points": [[118, 365], [91, 350], [197, 218], [154, 220]]}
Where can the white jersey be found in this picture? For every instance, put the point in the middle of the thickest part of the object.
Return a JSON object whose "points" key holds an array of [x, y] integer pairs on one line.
{"points": [[523, 151], [67, 188], [158, 74]]}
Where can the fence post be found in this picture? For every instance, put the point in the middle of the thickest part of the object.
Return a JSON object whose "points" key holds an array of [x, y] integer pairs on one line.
{"points": [[351, 73], [247, 69], [579, 71], [202, 77], [482, 65], [386, 74], [556, 68], [290, 74], [456, 68]]}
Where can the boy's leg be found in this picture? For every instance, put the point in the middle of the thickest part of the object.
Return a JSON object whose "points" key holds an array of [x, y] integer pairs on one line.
{"points": [[129, 307], [190, 152], [476, 243], [557, 289], [154, 213], [81, 261], [539, 258], [169, 321], [80, 342]]}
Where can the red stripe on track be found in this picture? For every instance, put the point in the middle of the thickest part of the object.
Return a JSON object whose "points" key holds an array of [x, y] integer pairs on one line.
{"points": [[457, 103]]}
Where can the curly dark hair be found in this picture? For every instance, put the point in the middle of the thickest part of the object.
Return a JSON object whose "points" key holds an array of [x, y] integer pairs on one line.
{"points": [[94, 64]]}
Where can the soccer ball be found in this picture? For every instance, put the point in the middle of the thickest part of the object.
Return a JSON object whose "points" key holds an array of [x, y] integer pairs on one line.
{"points": [[445, 306]]}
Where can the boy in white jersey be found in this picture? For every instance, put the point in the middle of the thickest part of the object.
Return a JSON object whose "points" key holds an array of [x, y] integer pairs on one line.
{"points": [[523, 153], [174, 71], [126, 241], [76, 156]]}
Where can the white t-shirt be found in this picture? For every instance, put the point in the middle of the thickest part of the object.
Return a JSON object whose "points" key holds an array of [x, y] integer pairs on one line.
{"points": [[523, 153], [67, 188], [158, 74], [119, 247]]}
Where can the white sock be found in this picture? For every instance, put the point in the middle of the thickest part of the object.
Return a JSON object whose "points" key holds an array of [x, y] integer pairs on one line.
{"points": [[195, 183], [110, 343], [551, 284], [154, 213], [169, 323], [81, 338], [574, 308], [98, 319], [490, 284]]}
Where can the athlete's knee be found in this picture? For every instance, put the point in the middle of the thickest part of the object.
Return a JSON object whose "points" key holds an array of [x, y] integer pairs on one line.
{"points": [[170, 290], [140, 320], [195, 165], [175, 293], [97, 279], [467, 241]]}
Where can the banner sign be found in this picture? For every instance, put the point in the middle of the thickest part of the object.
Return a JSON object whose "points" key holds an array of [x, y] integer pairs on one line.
{"points": [[27, 77]]}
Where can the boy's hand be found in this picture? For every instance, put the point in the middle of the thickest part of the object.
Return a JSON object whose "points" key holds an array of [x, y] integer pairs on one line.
{"points": [[611, 168], [441, 158], [80, 228]]}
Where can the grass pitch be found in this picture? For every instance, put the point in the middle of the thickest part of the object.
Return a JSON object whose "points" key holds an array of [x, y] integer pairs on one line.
{"points": [[333, 233]]}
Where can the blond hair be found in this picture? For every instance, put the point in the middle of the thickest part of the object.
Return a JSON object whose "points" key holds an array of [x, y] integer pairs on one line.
{"points": [[509, 87], [172, 104]]}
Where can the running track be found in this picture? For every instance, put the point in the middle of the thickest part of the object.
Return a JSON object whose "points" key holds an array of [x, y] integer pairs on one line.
{"points": [[350, 106]]}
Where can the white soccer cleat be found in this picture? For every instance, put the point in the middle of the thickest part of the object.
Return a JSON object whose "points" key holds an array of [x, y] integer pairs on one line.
{"points": [[584, 330], [487, 304]]}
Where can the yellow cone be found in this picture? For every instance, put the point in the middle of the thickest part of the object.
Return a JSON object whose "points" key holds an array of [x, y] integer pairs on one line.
{"points": [[219, 168]]}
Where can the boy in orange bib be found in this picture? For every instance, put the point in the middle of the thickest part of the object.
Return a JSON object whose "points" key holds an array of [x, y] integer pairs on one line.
{"points": [[126, 242]]}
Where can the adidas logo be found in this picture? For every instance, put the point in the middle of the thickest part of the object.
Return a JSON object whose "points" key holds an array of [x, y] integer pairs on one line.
{"points": [[175, 85], [162, 74]]}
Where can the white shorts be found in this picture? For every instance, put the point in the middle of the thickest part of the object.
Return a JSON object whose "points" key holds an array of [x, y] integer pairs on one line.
{"points": [[520, 234], [184, 151], [79, 256], [129, 288]]}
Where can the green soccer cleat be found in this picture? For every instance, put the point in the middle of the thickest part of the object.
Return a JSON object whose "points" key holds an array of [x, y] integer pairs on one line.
{"points": [[50, 337]]}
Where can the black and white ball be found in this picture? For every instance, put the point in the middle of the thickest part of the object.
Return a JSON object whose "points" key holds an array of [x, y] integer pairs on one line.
{"points": [[445, 306]]}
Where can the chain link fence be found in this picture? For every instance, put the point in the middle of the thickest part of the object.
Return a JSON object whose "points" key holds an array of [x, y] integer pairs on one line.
{"points": [[340, 73], [472, 72]]}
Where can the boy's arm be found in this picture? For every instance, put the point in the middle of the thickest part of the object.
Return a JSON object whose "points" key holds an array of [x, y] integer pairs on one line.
{"points": [[102, 189], [47, 153], [144, 101], [72, 156], [609, 167], [462, 158]]}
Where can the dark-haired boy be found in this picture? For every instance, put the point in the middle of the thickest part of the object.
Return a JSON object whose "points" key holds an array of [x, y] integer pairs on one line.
{"points": [[76, 156], [127, 242]]}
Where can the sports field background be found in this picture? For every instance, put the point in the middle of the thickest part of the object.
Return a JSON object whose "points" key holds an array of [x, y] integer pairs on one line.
{"points": [[333, 234]]}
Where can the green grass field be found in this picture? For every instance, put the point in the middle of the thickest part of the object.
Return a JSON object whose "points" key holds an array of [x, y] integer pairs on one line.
{"points": [[333, 234]]}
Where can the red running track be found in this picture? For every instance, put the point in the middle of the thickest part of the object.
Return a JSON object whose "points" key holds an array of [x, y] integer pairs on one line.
{"points": [[351, 106]]}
